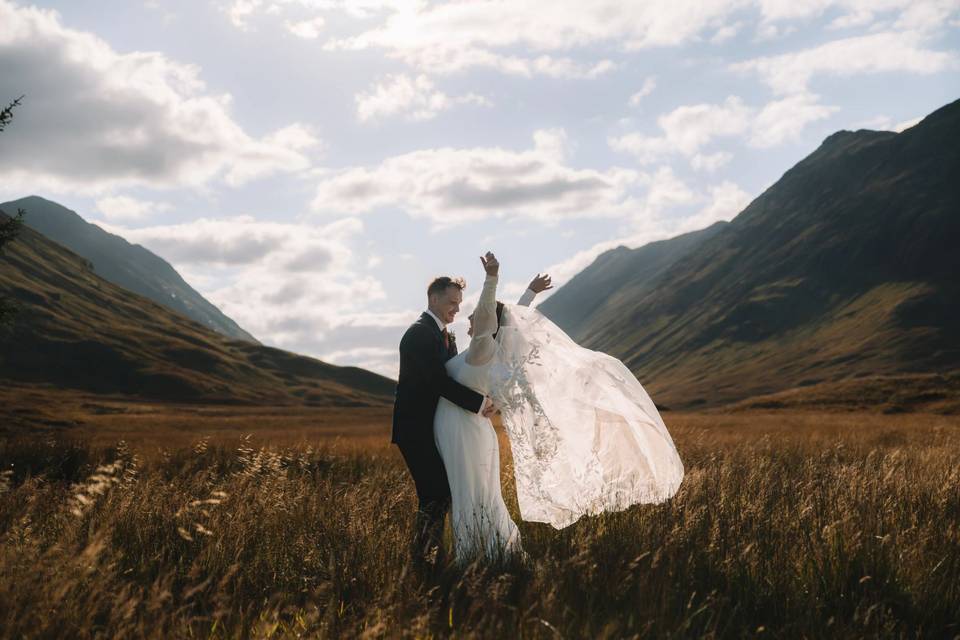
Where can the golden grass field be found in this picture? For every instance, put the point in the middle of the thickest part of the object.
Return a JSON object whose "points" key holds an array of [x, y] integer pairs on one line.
{"points": [[230, 522]]}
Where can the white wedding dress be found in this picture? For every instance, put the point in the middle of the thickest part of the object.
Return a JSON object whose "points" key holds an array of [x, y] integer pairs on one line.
{"points": [[585, 435], [482, 526]]}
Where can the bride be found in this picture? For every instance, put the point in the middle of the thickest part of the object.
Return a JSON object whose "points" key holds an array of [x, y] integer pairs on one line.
{"points": [[585, 435], [468, 445]]}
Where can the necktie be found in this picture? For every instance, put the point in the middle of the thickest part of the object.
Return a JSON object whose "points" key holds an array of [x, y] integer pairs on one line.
{"points": [[446, 338]]}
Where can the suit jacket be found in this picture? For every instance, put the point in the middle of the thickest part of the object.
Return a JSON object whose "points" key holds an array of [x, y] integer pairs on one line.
{"points": [[423, 379]]}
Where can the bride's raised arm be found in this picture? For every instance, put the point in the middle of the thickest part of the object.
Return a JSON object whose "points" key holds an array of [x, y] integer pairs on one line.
{"points": [[537, 285], [482, 344]]}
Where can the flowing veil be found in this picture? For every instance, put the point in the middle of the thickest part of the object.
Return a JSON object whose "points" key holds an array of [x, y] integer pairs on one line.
{"points": [[585, 435]]}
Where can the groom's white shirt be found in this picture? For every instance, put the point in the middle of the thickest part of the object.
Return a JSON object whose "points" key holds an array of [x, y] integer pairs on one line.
{"points": [[440, 323], [524, 301]]}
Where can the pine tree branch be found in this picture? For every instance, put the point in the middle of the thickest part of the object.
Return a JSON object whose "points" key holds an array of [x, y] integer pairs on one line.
{"points": [[6, 115], [11, 227]]}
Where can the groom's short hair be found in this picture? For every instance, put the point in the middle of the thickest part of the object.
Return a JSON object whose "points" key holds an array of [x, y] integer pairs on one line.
{"points": [[440, 285]]}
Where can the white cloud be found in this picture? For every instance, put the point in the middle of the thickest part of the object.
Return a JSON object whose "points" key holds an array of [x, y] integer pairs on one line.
{"points": [[96, 120], [418, 97], [365, 319], [240, 12], [905, 14], [562, 67], [906, 124], [440, 60], [851, 20], [664, 191], [710, 161], [452, 186], [562, 272], [646, 89], [166, 16], [886, 123], [726, 33], [686, 130], [774, 10], [382, 360], [782, 120], [260, 159], [293, 285], [876, 53], [243, 240], [123, 208], [926, 15], [876, 123], [522, 37], [299, 313], [723, 202], [307, 29], [767, 31], [449, 37], [649, 222]]}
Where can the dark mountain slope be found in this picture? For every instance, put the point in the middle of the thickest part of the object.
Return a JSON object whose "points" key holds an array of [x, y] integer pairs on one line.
{"points": [[129, 265], [846, 267], [76, 330], [615, 277]]}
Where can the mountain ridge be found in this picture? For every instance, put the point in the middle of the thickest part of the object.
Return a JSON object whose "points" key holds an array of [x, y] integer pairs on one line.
{"points": [[76, 330], [842, 268], [591, 291], [129, 265]]}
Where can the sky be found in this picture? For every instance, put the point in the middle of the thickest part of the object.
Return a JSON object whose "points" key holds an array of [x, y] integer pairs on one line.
{"points": [[310, 165]]}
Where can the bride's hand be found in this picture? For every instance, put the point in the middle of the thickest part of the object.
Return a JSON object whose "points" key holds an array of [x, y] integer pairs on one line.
{"points": [[490, 264], [540, 284]]}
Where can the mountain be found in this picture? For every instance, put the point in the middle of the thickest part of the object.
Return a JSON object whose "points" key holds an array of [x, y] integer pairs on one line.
{"points": [[846, 268], [129, 265], [614, 278], [76, 330]]}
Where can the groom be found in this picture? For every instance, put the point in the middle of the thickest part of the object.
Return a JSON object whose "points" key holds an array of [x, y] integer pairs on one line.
{"points": [[424, 349]]}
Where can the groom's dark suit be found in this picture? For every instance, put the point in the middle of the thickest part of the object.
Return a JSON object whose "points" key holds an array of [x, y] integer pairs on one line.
{"points": [[422, 381]]}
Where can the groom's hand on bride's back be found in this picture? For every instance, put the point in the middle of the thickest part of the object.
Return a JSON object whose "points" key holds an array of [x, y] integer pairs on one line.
{"points": [[490, 409]]}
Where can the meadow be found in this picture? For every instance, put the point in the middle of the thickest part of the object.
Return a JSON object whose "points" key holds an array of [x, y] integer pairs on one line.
{"points": [[788, 524]]}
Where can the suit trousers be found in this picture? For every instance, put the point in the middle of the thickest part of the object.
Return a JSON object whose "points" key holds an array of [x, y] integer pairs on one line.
{"points": [[433, 496]]}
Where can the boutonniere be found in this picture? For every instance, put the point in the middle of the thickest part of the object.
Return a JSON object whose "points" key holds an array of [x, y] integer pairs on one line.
{"points": [[451, 336]]}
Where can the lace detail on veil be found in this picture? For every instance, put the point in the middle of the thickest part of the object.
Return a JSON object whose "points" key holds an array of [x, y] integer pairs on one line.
{"points": [[533, 437], [516, 394], [585, 435]]}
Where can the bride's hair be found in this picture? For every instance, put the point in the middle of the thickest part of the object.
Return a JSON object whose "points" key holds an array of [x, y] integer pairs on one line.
{"points": [[499, 316]]}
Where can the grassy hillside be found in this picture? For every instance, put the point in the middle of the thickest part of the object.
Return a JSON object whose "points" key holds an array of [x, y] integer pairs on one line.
{"points": [[129, 265], [615, 278], [78, 331], [845, 268]]}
